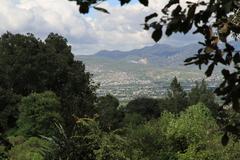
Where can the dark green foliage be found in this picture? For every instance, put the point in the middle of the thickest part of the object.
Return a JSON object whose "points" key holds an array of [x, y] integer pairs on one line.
{"points": [[216, 21], [150, 139], [146, 107], [31, 65], [176, 100], [193, 134], [176, 97], [112, 147], [110, 117], [29, 149], [212, 54], [38, 113], [3, 154], [8, 109], [5, 145], [141, 109], [133, 119], [201, 93], [229, 121], [88, 142], [80, 144], [225, 139], [78, 94]]}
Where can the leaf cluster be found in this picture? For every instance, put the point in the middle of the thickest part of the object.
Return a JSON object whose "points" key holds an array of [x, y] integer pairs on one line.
{"points": [[216, 21], [85, 5]]}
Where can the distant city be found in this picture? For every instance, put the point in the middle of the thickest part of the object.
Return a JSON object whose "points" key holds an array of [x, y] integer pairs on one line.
{"points": [[144, 72]]}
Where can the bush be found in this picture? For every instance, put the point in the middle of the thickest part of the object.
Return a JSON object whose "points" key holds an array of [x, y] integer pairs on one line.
{"points": [[38, 113], [32, 148]]}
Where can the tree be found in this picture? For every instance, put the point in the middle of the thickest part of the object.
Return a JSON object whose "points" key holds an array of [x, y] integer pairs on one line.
{"points": [[29, 149], [192, 134], [8, 109], [194, 124], [80, 143], [110, 117], [201, 132], [176, 97], [133, 119], [5, 145], [113, 146], [88, 142], [216, 21], [29, 65], [151, 140], [201, 93], [147, 107], [38, 113]]}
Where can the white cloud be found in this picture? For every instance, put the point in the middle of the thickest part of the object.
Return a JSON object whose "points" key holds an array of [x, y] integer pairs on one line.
{"points": [[87, 33]]}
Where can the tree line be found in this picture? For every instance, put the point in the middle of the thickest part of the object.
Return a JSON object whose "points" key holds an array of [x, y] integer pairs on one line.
{"points": [[49, 110], [217, 21]]}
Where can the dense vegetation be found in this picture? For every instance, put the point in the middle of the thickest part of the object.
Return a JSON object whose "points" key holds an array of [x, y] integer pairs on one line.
{"points": [[49, 110], [30, 65], [218, 22]]}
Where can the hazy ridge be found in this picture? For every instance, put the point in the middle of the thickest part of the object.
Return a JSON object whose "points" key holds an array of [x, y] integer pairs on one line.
{"points": [[145, 71]]}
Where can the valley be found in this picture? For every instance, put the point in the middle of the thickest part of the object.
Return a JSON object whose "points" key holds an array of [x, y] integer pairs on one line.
{"points": [[144, 72]]}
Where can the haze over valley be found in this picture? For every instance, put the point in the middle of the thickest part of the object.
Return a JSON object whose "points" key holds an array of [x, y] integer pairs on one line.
{"points": [[144, 72]]}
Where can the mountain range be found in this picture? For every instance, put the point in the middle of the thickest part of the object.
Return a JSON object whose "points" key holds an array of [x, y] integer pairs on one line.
{"points": [[159, 55], [144, 71]]}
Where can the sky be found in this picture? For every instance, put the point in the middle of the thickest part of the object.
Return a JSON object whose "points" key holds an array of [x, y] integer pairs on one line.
{"points": [[87, 34]]}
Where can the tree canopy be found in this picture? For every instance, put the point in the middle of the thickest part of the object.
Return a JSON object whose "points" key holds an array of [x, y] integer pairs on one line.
{"points": [[29, 65], [110, 117], [176, 97], [218, 21], [38, 114], [146, 107], [201, 93], [8, 109]]}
